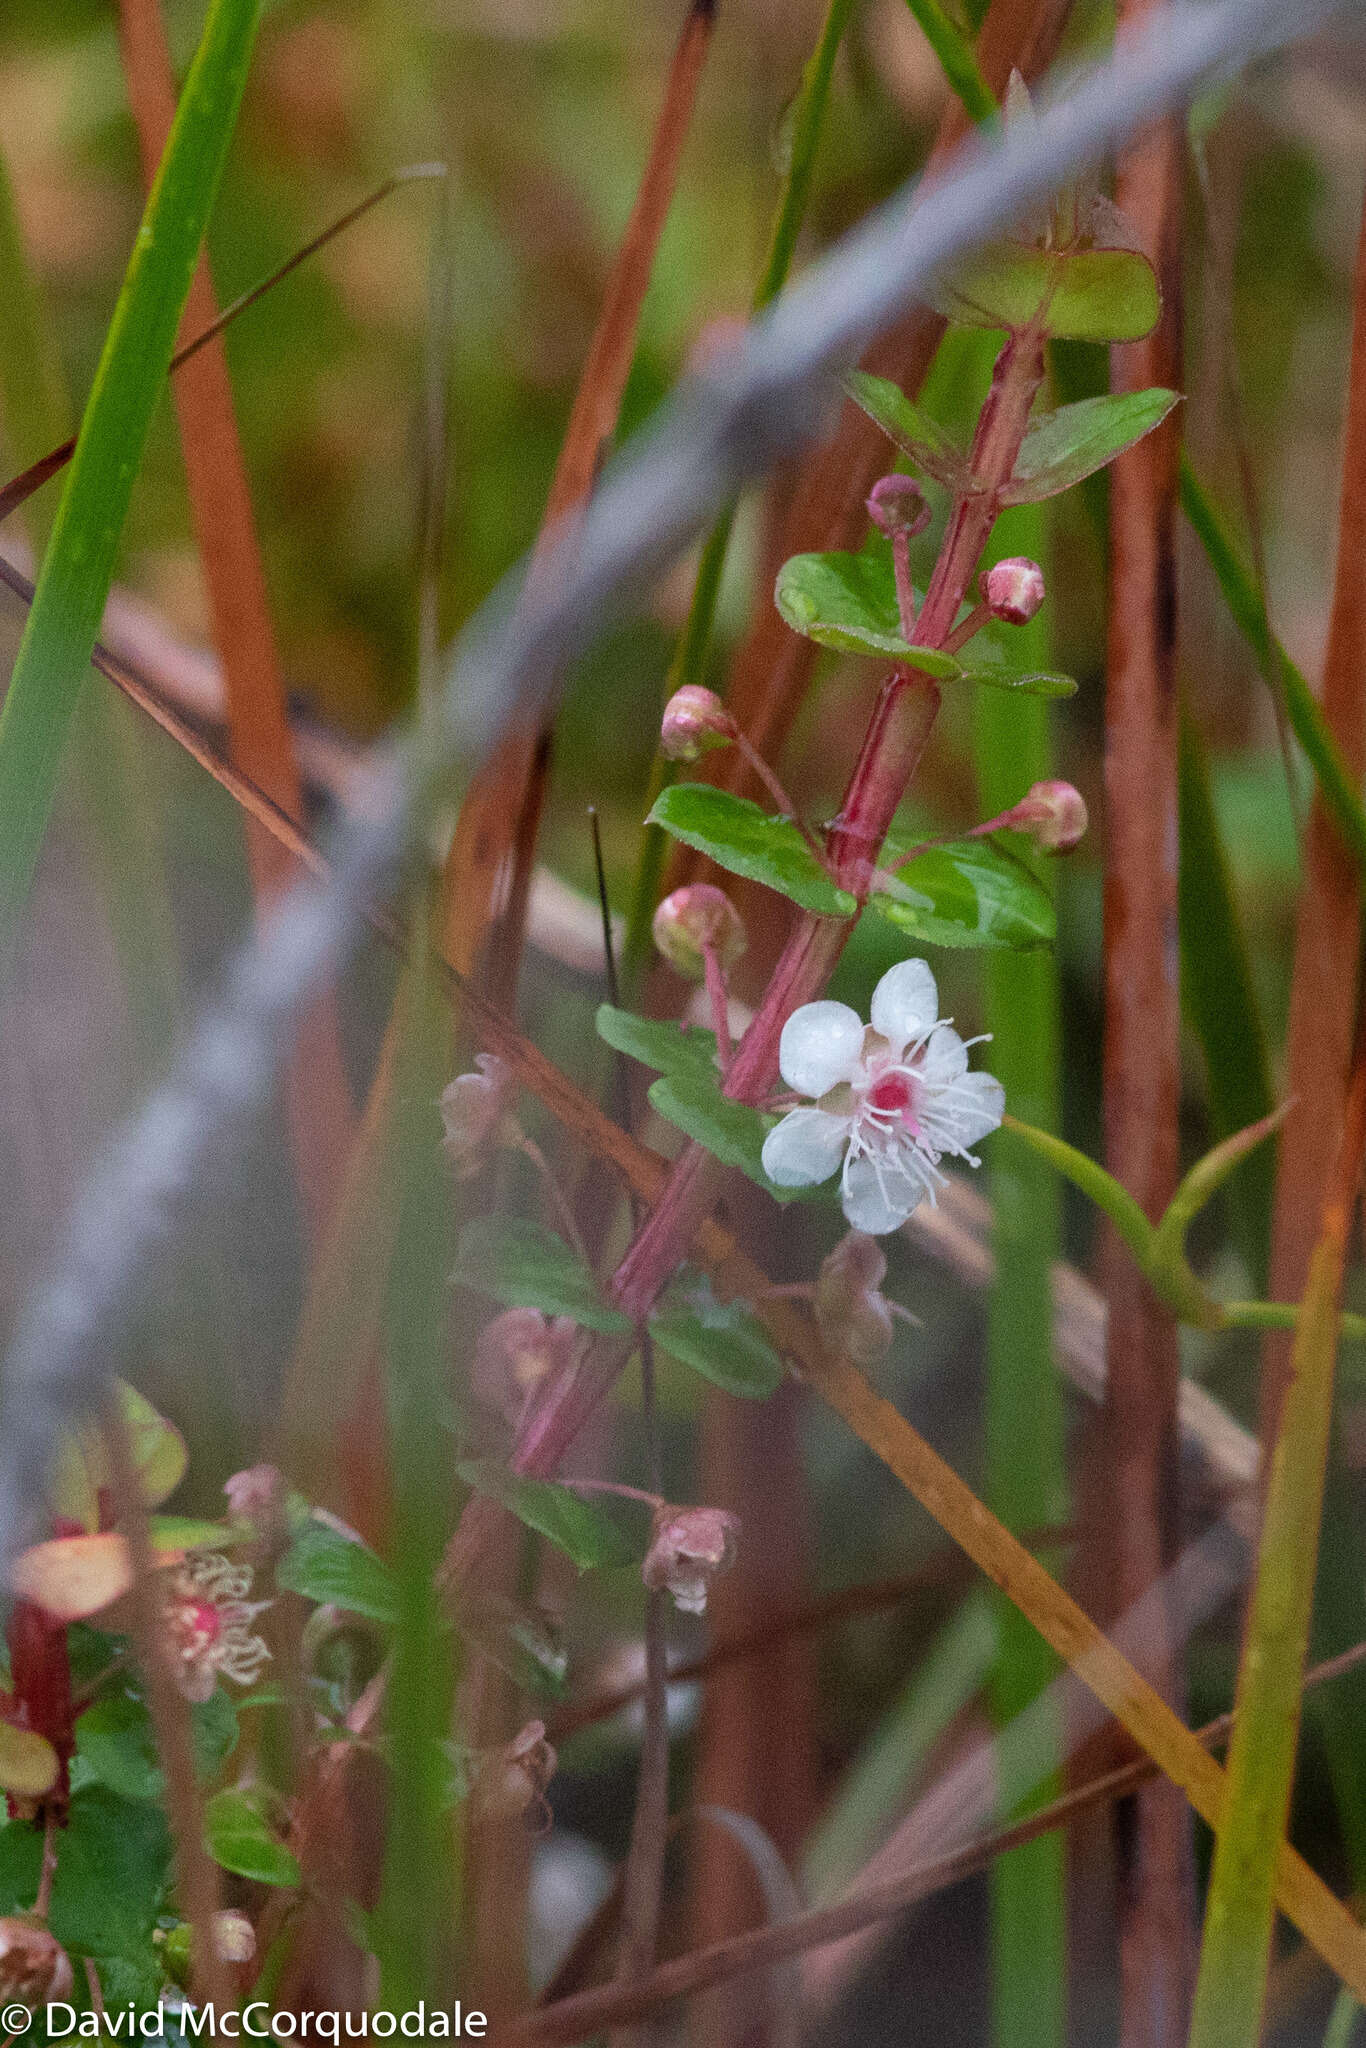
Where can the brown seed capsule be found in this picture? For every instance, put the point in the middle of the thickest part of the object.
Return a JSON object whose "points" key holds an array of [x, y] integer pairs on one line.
{"points": [[34, 1968], [690, 1547], [472, 1108], [515, 1353], [853, 1318]]}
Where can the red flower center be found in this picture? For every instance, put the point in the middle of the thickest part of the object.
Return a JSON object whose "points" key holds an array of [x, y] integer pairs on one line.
{"points": [[893, 1094]]}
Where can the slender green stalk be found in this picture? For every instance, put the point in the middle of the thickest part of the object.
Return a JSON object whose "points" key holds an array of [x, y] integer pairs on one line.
{"points": [[1240, 1911], [1221, 1002], [956, 59], [78, 567], [690, 659], [1337, 786], [1025, 1443]]}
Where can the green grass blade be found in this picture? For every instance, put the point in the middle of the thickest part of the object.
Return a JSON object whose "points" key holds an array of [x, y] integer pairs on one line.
{"points": [[78, 567], [1240, 1909], [956, 59], [1221, 1002], [1025, 1441], [1336, 783]]}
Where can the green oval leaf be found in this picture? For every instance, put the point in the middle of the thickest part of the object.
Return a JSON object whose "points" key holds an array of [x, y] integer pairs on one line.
{"points": [[337, 1571], [1003, 675], [1089, 294], [914, 432], [524, 1266], [1065, 446], [667, 1047], [731, 1131], [239, 1838], [723, 1340], [848, 602], [737, 835], [972, 892], [576, 1526]]}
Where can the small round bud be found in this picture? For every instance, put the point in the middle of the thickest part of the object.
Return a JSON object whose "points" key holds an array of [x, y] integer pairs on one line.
{"points": [[689, 1548], [472, 1109], [512, 1781], [515, 1353], [1013, 590], [1056, 815], [693, 918], [898, 505], [854, 1320], [256, 1495], [34, 1968], [234, 1937], [695, 722]]}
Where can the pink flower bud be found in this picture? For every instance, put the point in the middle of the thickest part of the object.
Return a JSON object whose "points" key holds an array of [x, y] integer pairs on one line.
{"points": [[854, 1320], [512, 1781], [234, 1937], [472, 1108], [34, 1969], [1055, 813], [255, 1495], [692, 918], [689, 1548], [695, 721], [1013, 590], [898, 505], [515, 1353]]}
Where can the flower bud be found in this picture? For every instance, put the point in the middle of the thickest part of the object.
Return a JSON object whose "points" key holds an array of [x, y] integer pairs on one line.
{"points": [[854, 1320], [898, 505], [695, 917], [515, 1353], [1013, 590], [234, 1937], [512, 1781], [1056, 815], [695, 721], [34, 1969], [255, 1495], [472, 1108], [689, 1548]]}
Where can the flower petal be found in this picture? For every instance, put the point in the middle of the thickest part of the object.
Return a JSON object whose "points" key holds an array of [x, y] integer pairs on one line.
{"points": [[820, 1045], [945, 1058], [905, 1003], [805, 1147], [878, 1202], [966, 1112]]}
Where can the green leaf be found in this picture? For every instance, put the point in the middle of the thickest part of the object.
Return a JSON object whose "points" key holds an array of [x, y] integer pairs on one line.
{"points": [[577, 1527], [527, 1646], [526, 1267], [115, 1747], [239, 1837], [337, 1571], [213, 1731], [1065, 446], [737, 835], [78, 566], [666, 1047], [973, 892], [724, 1341], [914, 432], [1089, 294], [731, 1131], [111, 1874], [848, 602], [184, 1532]]}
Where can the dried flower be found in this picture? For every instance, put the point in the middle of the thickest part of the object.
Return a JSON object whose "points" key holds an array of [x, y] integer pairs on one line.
{"points": [[34, 1969], [694, 918], [890, 1100], [695, 722], [513, 1780], [1055, 813], [207, 1625], [515, 1353], [688, 1549], [853, 1317], [1013, 590], [472, 1109], [897, 504]]}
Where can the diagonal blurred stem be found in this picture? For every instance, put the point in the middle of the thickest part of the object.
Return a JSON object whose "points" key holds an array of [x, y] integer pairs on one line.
{"points": [[1138, 1451], [1236, 1954]]}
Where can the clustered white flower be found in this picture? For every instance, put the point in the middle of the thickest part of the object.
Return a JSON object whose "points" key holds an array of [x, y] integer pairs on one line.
{"points": [[891, 1099], [207, 1625]]}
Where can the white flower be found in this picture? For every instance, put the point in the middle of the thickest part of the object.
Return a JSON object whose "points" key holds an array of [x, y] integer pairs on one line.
{"points": [[891, 1099], [207, 1625]]}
